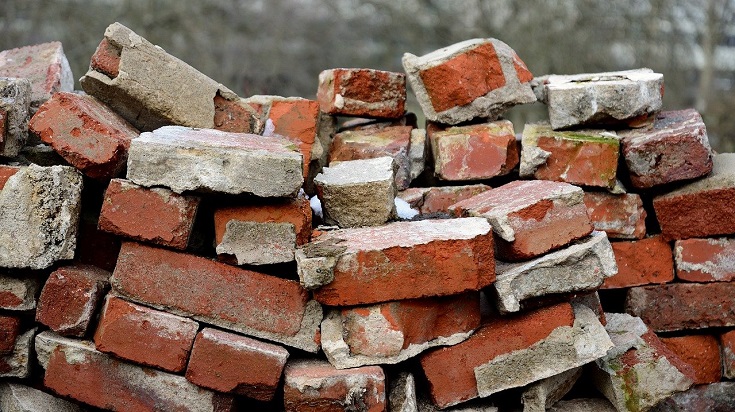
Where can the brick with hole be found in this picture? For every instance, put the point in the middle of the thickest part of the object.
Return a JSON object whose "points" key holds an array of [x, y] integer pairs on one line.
{"points": [[701, 352], [362, 93], [641, 262], [621, 216], [705, 260]]}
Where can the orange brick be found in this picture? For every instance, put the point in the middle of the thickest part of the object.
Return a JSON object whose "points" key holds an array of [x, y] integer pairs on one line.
{"points": [[641, 262], [702, 352]]}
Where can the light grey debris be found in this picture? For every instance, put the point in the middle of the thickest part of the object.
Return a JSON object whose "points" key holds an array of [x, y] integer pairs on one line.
{"points": [[540, 396], [15, 397], [19, 293], [15, 101], [258, 243], [583, 405], [18, 363], [417, 153]]}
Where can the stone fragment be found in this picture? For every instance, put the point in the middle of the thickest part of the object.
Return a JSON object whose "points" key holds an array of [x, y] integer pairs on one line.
{"points": [[9, 331], [535, 345], [75, 369], [17, 364], [640, 370], [715, 397], [641, 262], [183, 159], [580, 267], [417, 155], [703, 208], [150, 88], [686, 305], [362, 92], [358, 192], [18, 293], [311, 385], [44, 65], [15, 100], [727, 344], [438, 199], [473, 152], [583, 405], [478, 78], [145, 336], [531, 217], [15, 397], [581, 157], [402, 260], [85, 132], [156, 215], [39, 212], [230, 363], [70, 298], [705, 260], [388, 333], [612, 98], [701, 352], [541, 395], [402, 393], [620, 216], [244, 301], [673, 148]]}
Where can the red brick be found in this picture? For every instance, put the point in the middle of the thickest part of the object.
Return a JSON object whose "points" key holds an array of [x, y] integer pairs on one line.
{"points": [[531, 217], [226, 362], [234, 116], [705, 260], [362, 92], [85, 132], [727, 344], [44, 65], [620, 216], [6, 172], [155, 215], [641, 262], [439, 199], [9, 331], [106, 59], [70, 297], [18, 293], [219, 294], [145, 336], [3, 124], [451, 370], [315, 385], [295, 211], [474, 152], [679, 306], [702, 352]]}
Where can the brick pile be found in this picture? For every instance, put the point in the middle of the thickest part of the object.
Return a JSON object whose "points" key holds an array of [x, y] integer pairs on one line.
{"points": [[168, 245]]}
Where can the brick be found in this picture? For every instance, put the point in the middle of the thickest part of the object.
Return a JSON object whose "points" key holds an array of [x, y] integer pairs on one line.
{"points": [[372, 143], [70, 298], [702, 208], [391, 332], [674, 147], [478, 78], [15, 397], [18, 293], [612, 98], [85, 132], [262, 233], [311, 385], [513, 351], [641, 262], [640, 370], [9, 331], [358, 193], [156, 215], [226, 362], [39, 213], [15, 100], [701, 352], [17, 364], [362, 92], [686, 305], [143, 83], [439, 199], [727, 344], [541, 395], [244, 301], [6, 172], [44, 65], [583, 405], [474, 152], [75, 369], [580, 267], [144, 336], [713, 397], [183, 159], [530, 218], [705, 260], [582, 157], [621, 216], [402, 260]]}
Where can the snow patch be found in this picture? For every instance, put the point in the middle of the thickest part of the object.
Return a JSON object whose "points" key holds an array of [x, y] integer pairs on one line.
{"points": [[403, 209]]}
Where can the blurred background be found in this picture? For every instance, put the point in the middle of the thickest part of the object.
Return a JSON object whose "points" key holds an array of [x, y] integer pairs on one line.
{"points": [[280, 46]]}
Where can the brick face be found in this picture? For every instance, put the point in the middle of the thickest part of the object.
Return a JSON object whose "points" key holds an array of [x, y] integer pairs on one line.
{"points": [[702, 352], [641, 262]]}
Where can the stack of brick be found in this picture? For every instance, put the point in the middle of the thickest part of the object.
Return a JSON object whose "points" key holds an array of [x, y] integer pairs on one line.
{"points": [[167, 259]]}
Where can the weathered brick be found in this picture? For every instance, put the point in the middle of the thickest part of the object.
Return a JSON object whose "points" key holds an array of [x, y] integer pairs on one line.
{"points": [[620, 216], [392, 332], [15, 397], [531, 217], [156, 215], [222, 295], [641, 262], [362, 92], [474, 152], [145, 336], [15, 100], [713, 397], [402, 260], [583, 405], [673, 148], [701, 352], [17, 364], [727, 345], [6, 172], [315, 385], [438, 199], [9, 331], [703, 208], [226, 362], [18, 293], [478, 78], [705, 260], [70, 298]]}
